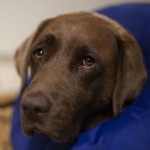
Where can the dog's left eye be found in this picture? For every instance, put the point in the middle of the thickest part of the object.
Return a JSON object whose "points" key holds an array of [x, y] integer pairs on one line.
{"points": [[88, 61], [39, 53]]}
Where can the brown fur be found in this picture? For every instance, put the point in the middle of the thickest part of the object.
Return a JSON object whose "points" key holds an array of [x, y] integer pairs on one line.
{"points": [[65, 96]]}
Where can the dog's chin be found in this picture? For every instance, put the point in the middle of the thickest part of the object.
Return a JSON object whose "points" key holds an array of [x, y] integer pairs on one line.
{"points": [[59, 136], [62, 138]]}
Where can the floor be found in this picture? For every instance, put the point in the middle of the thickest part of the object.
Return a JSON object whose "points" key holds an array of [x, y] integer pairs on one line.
{"points": [[9, 86], [5, 127]]}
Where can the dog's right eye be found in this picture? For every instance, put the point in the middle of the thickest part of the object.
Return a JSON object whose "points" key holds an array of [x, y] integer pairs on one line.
{"points": [[88, 61], [39, 53]]}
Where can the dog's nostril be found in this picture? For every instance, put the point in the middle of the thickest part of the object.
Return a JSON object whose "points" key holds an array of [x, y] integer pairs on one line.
{"points": [[37, 110], [40, 110]]}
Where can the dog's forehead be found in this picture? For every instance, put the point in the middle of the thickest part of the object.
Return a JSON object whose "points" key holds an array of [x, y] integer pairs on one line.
{"points": [[76, 22], [77, 30], [78, 25], [80, 20]]}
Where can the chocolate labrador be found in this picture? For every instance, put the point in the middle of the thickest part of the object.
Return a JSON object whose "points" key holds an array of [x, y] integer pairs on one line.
{"points": [[85, 68]]}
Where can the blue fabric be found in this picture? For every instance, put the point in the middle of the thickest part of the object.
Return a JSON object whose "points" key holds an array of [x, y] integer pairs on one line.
{"points": [[131, 129]]}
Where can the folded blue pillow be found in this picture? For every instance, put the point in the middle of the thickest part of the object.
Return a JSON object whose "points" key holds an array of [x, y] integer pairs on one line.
{"points": [[131, 129]]}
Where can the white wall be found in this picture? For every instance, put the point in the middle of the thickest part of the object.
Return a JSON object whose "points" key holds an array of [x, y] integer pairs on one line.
{"points": [[19, 18]]}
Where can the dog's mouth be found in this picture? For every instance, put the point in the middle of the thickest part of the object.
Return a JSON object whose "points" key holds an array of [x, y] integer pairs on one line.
{"points": [[61, 126], [29, 132], [56, 133]]}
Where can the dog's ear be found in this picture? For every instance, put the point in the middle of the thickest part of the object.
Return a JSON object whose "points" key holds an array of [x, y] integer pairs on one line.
{"points": [[22, 60], [22, 57], [131, 74]]}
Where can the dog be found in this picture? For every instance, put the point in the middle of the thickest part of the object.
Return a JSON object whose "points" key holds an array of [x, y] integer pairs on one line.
{"points": [[85, 68]]}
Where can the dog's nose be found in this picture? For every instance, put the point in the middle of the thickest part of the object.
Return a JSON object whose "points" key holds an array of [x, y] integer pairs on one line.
{"points": [[35, 106]]}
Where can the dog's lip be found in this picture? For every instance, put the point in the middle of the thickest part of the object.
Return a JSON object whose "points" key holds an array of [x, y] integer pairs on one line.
{"points": [[52, 133], [29, 132]]}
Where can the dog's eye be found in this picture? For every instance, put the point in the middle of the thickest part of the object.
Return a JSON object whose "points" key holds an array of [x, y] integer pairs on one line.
{"points": [[39, 54], [88, 61]]}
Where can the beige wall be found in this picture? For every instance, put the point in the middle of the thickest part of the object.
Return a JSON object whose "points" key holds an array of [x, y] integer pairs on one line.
{"points": [[19, 18]]}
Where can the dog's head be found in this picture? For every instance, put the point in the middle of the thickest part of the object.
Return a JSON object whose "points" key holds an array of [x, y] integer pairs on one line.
{"points": [[82, 64]]}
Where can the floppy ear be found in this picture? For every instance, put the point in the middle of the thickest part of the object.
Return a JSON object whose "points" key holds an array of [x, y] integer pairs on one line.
{"points": [[22, 60], [131, 74], [22, 57]]}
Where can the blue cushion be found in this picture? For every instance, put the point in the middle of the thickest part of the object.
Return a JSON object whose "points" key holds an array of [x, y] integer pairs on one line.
{"points": [[131, 129]]}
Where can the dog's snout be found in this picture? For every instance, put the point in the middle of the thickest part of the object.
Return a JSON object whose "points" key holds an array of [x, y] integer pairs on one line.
{"points": [[35, 106]]}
